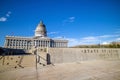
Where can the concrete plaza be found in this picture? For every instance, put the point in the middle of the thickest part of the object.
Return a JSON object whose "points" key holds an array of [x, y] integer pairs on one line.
{"points": [[84, 70]]}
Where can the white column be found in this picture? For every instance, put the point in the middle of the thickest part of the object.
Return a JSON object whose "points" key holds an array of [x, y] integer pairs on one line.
{"points": [[36, 43], [6, 42], [15, 44], [60, 44], [57, 44], [9, 43], [12, 43], [24, 44], [49, 43], [20, 43], [64, 44]]}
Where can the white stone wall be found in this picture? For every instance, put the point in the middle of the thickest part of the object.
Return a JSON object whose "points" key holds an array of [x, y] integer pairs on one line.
{"points": [[66, 55]]}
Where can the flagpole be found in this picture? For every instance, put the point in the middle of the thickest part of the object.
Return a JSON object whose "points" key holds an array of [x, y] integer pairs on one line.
{"points": [[36, 55]]}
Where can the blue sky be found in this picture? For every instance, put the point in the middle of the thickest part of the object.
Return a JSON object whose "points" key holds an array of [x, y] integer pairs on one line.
{"points": [[79, 21]]}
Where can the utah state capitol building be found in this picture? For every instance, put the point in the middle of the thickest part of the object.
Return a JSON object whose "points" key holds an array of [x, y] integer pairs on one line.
{"points": [[40, 40]]}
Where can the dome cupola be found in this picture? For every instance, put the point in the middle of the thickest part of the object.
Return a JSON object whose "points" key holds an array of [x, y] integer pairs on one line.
{"points": [[41, 30]]}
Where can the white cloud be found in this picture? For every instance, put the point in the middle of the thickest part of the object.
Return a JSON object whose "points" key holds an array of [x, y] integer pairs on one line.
{"points": [[69, 20], [53, 32], [118, 39], [90, 38], [8, 13], [3, 19], [105, 43], [108, 36], [105, 36], [84, 40], [59, 37], [103, 39], [72, 41]]}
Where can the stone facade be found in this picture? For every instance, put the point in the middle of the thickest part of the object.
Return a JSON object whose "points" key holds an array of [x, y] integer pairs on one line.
{"points": [[40, 40]]}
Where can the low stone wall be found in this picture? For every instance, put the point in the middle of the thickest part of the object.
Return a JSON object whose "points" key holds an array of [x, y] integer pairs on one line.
{"points": [[65, 55], [17, 61]]}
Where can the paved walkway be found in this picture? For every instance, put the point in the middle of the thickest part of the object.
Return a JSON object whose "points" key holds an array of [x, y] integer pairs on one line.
{"points": [[87, 70]]}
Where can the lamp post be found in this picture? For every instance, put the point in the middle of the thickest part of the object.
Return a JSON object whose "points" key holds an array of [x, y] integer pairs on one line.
{"points": [[36, 54]]}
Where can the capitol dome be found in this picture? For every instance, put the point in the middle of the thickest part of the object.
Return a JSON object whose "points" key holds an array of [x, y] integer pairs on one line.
{"points": [[41, 30]]}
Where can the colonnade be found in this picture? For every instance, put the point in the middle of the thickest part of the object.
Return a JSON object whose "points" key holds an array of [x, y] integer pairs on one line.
{"points": [[22, 43], [59, 45], [17, 43], [41, 43]]}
